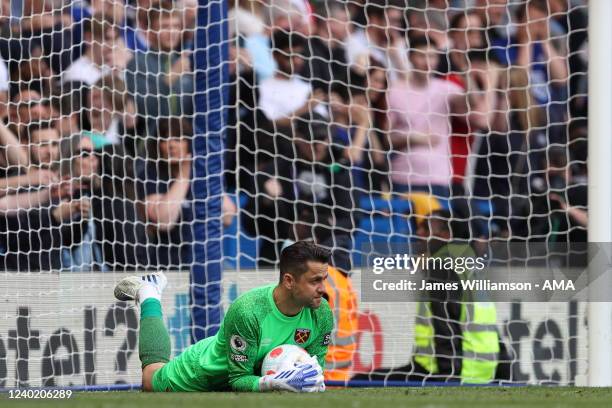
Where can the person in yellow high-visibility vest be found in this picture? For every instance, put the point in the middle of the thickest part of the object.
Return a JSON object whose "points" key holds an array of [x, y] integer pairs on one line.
{"points": [[455, 336]]}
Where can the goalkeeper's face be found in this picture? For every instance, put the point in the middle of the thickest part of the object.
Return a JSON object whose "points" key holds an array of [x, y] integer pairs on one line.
{"points": [[309, 288]]}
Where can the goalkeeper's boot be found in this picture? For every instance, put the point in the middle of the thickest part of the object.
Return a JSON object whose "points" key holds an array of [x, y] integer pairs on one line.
{"points": [[134, 287]]}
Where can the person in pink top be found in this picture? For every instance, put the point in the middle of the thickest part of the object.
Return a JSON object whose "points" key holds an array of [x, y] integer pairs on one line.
{"points": [[420, 109]]}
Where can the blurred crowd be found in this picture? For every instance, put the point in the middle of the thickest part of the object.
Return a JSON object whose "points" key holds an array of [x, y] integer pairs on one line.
{"points": [[479, 105], [96, 134], [476, 106]]}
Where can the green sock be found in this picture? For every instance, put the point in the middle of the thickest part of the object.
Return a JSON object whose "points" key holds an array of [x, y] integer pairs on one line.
{"points": [[154, 340], [151, 307]]}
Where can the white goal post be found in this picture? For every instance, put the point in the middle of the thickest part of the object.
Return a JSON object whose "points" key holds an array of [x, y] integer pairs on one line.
{"points": [[600, 183]]}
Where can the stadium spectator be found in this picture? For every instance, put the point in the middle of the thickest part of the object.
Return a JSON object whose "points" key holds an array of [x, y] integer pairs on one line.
{"points": [[574, 22], [18, 174], [137, 34], [161, 80], [42, 25], [105, 232], [354, 134], [27, 106], [505, 159], [67, 103], [82, 252], [430, 19], [326, 52], [287, 95], [420, 110], [532, 48], [43, 141], [38, 185], [555, 209], [165, 188], [109, 111], [116, 13], [189, 8], [497, 19], [104, 53], [376, 95], [31, 236], [33, 72], [242, 119], [537, 52], [383, 39], [303, 195], [281, 98], [469, 68], [109, 121], [252, 34]]}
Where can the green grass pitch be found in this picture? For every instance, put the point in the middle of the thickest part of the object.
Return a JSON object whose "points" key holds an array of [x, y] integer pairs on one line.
{"points": [[451, 397]]}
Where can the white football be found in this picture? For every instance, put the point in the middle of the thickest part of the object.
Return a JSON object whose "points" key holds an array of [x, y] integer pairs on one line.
{"points": [[283, 357]]}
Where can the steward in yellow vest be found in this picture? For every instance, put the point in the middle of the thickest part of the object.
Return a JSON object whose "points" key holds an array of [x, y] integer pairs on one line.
{"points": [[457, 339], [456, 334]]}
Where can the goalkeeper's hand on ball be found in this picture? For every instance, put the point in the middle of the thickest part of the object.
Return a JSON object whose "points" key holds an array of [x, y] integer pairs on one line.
{"points": [[320, 380], [303, 377]]}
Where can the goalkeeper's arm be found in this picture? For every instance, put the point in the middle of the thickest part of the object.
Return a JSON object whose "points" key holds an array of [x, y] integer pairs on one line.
{"points": [[241, 332]]}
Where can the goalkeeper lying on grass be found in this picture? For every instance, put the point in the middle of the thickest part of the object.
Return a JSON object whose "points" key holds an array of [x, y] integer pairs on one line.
{"points": [[292, 312]]}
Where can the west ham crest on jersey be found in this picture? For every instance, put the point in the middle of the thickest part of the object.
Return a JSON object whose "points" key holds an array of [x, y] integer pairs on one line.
{"points": [[301, 335]]}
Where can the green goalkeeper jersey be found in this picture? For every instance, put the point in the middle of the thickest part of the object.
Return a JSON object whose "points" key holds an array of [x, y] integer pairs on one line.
{"points": [[251, 328]]}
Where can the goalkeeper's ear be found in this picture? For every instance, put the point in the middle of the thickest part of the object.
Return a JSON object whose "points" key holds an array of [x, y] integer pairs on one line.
{"points": [[288, 281]]}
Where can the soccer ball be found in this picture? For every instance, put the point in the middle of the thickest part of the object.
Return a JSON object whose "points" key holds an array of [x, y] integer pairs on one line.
{"points": [[283, 357]]}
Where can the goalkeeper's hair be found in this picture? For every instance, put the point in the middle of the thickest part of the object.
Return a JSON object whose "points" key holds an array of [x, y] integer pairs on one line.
{"points": [[294, 259]]}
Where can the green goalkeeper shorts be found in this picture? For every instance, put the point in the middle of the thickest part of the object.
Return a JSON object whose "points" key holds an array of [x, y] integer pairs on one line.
{"points": [[177, 376]]}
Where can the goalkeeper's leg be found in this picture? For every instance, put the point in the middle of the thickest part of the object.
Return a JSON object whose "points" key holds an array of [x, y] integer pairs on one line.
{"points": [[154, 341]]}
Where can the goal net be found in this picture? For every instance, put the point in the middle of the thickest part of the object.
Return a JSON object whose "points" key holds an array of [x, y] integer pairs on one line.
{"points": [[202, 137]]}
